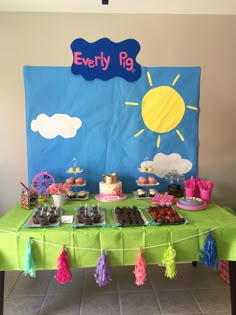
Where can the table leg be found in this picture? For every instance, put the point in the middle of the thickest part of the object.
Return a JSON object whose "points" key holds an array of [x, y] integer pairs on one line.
{"points": [[2, 278], [232, 279]]}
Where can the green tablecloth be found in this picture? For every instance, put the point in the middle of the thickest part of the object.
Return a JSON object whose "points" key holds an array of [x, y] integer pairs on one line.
{"points": [[121, 244]]}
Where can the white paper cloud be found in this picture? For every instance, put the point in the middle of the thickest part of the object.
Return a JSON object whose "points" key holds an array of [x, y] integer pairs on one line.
{"points": [[163, 164], [56, 125]]}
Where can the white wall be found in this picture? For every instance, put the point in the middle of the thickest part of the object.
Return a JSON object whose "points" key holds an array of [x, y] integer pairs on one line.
{"points": [[122, 6]]}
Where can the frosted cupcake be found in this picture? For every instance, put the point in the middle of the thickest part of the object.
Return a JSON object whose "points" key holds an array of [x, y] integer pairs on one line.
{"points": [[142, 180], [152, 180]]}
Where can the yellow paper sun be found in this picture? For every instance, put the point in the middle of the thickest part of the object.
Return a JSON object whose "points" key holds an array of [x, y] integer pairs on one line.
{"points": [[163, 109]]}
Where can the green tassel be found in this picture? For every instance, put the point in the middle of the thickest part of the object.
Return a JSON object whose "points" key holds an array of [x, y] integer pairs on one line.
{"points": [[169, 262], [29, 262]]}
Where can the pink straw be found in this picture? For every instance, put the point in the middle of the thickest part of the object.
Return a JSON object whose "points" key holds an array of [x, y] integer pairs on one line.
{"points": [[25, 186]]}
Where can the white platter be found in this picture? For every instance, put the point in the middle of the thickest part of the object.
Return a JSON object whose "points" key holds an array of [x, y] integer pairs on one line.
{"points": [[141, 198], [75, 185], [75, 172], [146, 185]]}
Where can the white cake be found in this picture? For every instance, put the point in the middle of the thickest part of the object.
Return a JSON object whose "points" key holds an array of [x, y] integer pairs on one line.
{"points": [[114, 189]]}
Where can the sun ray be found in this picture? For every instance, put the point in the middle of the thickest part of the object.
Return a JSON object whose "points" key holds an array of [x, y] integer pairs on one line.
{"points": [[180, 135], [158, 141], [132, 103], [149, 78], [139, 133], [192, 107], [176, 79]]}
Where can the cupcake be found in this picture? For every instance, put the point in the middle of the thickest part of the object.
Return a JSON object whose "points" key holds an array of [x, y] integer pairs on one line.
{"points": [[141, 193], [152, 192], [80, 219], [53, 218], [80, 214], [81, 194], [142, 180], [97, 217], [152, 180], [71, 194], [44, 220], [88, 219], [79, 181], [71, 169], [35, 218], [70, 181], [144, 169]]}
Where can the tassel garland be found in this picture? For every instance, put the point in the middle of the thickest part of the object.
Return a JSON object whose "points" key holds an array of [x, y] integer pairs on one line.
{"points": [[169, 262], [103, 271], [140, 269], [208, 254], [29, 261], [63, 274]]}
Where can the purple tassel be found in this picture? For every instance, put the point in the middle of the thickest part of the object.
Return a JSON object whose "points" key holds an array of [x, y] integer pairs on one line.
{"points": [[103, 271], [208, 254]]}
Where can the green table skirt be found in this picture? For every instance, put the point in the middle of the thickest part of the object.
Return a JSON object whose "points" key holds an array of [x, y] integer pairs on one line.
{"points": [[121, 245]]}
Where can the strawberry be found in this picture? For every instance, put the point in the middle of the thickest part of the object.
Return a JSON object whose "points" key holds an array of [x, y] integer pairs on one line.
{"points": [[172, 220], [162, 212]]}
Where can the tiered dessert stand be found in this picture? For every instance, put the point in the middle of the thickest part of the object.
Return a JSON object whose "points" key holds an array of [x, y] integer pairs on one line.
{"points": [[74, 171], [146, 170]]}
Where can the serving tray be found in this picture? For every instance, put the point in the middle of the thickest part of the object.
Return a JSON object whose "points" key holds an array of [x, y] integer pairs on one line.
{"points": [[30, 223], [131, 223], [136, 196], [82, 211], [147, 185], [165, 216]]}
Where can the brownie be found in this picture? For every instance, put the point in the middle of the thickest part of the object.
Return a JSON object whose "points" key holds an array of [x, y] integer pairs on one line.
{"points": [[128, 216]]}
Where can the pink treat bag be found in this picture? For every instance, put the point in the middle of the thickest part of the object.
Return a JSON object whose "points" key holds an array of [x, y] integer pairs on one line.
{"points": [[205, 195], [190, 192]]}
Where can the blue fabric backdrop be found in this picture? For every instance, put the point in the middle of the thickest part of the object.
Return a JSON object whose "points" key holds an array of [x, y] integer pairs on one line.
{"points": [[100, 122]]}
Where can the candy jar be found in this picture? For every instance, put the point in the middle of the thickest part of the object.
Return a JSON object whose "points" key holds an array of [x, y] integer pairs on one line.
{"points": [[175, 183]]}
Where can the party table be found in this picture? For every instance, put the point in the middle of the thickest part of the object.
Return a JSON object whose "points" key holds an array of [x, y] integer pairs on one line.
{"points": [[121, 244]]}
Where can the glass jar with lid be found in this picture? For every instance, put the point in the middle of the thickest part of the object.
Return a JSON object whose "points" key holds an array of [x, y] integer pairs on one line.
{"points": [[175, 183]]}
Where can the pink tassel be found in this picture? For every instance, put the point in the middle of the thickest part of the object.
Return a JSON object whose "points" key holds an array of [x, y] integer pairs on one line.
{"points": [[140, 269], [63, 274]]}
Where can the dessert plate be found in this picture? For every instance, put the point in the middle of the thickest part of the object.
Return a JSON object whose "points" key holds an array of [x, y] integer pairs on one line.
{"points": [[30, 223], [147, 185], [148, 170], [191, 201], [136, 196], [102, 222], [74, 171], [165, 215], [76, 185], [118, 223], [111, 198], [192, 208], [79, 221]]}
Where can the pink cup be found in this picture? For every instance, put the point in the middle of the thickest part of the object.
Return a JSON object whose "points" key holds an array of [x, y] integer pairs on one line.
{"points": [[205, 195], [190, 192]]}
